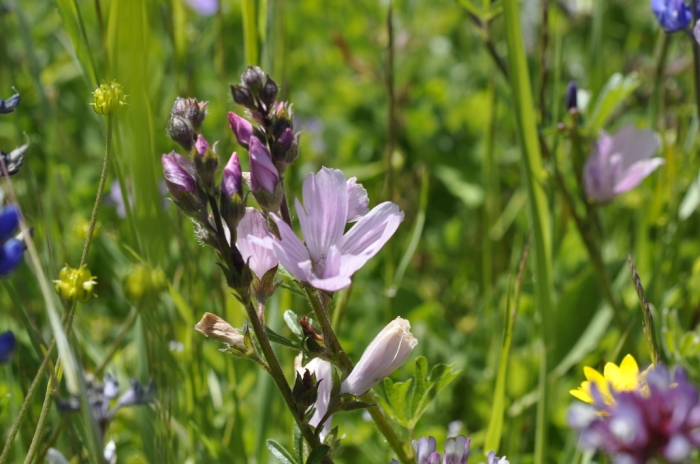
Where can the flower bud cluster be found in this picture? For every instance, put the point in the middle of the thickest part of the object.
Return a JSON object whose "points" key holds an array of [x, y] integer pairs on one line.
{"points": [[75, 285], [109, 99]]}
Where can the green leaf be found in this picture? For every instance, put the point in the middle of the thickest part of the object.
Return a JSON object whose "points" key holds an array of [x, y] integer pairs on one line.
{"points": [[280, 340], [292, 320], [280, 452], [613, 94], [399, 396], [317, 454], [298, 443], [73, 23], [472, 195]]}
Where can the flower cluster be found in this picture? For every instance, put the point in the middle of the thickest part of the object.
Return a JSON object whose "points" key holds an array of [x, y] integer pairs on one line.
{"points": [[456, 452], [660, 419]]}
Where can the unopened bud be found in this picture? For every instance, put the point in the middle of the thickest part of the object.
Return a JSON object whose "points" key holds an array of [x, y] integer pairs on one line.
{"points": [[242, 96], [109, 99], [242, 129], [232, 202], [213, 326], [206, 162], [263, 173], [571, 97], [190, 109], [182, 184], [180, 130], [253, 78], [268, 93], [75, 284], [387, 352]]}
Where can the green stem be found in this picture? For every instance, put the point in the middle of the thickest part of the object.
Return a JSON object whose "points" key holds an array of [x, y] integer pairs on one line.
{"points": [[40, 426], [696, 58], [378, 416], [100, 190], [278, 376], [117, 342]]}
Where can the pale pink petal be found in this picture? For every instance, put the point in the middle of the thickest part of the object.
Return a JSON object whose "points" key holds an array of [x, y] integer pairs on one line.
{"points": [[634, 145], [331, 284], [333, 277], [358, 201], [636, 173], [367, 237], [255, 243], [324, 377], [290, 251], [324, 214]]}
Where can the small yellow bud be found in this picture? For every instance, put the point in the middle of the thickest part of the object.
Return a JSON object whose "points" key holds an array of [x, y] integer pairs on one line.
{"points": [[143, 282], [109, 98], [75, 284]]}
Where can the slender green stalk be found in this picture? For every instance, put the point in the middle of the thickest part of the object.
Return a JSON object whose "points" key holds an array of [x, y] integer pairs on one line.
{"points": [[662, 48], [33, 448], [537, 201], [116, 344], [250, 33], [388, 187], [331, 340], [696, 59], [100, 191]]}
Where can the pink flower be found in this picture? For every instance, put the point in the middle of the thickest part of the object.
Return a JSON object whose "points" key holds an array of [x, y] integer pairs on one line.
{"points": [[330, 256], [252, 233], [241, 127], [620, 163], [324, 377], [263, 173]]}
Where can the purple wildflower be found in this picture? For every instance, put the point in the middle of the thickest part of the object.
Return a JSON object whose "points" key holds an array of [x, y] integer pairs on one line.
{"points": [[663, 422], [251, 234], [456, 451], [673, 15], [330, 256], [620, 163], [179, 174], [11, 248], [204, 7], [8, 346]]}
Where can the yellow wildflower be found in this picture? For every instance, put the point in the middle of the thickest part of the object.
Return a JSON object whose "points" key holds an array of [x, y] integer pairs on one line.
{"points": [[626, 377], [109, 98], [75, 284]]}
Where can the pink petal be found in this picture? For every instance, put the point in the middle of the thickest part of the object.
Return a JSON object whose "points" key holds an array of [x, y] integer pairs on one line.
{"points": [[255, 243], [634, 145], [358, 201], [323, 216], [636, 173]]}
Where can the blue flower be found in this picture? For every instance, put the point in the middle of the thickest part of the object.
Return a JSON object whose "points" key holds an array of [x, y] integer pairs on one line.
{"points": [[673, 15], [8, 346], [11, 248]]}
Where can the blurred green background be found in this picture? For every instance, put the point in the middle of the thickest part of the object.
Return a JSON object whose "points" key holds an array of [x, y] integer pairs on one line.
{"points": [[455, 171]]}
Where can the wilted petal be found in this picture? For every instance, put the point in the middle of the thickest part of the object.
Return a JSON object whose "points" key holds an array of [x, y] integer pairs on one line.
{"points": [[260, 258], [636, 173], [215, 327], [358, 201], [387, 352], [324, 214]]}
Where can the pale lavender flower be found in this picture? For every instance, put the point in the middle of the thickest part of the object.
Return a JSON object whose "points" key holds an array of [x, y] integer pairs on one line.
{"points": [[696, 31], [324, 377], [491, 458], [253, 242], [457, 450], [387, 352], [661, 423], [204, 7], [330, 256], [425, 450], [263, 173], [620, 162]]}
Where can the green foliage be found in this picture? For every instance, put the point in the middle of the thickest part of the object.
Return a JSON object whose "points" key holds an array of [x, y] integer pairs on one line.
{"points": [[406, 402], [611, 97]]}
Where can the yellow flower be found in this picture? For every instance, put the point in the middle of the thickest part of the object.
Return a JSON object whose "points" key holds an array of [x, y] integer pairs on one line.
{"points": [[626, 377], [109, 98], [75, 284]]}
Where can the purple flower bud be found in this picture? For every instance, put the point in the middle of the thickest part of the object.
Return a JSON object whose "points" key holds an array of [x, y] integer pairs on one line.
{"points": [[241, 127], [286, 138], [263, 173], [673, 15], [387, 352], [457, 450], [9, 220], [181, 131], [232, 180], [242, 96], [9, 105], [201, 145], [191, 110], [8, 346], [253, 78], [268, 93], [425, 451], [179, 174], [571, 96]]}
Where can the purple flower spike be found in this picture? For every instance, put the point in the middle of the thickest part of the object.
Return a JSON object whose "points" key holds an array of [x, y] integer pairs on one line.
{"points": [[232, 180], [673, 15], [263, 173], [179, 174], [286, 138], [241, 127], [204, 7], [620, 163], [457, 450], [661, 423], [253, 242], [330, 257]]}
